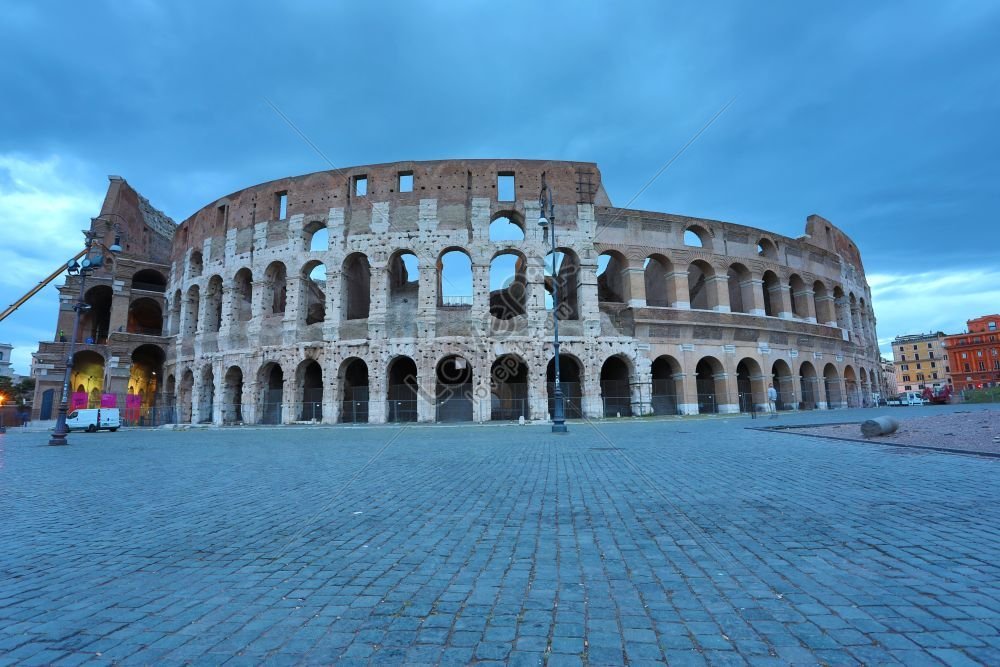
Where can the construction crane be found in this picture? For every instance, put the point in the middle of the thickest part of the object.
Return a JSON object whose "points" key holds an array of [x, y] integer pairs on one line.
{"points": [[38, 288]]}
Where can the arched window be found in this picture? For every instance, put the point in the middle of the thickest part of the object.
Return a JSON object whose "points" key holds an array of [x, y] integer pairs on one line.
{"points": [[317, 237], [503, 228], [275, 286], [357, 284], [658, 278], [567, 281], [313, 304], [701, 286], [611, 286], [740, 288], [454, 279], [508, 285]]}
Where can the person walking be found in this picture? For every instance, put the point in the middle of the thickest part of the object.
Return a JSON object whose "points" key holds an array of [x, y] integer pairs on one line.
{"points": [[772, 399]]}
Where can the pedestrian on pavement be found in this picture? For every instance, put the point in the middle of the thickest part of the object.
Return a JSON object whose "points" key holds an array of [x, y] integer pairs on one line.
{"points": [[772, 398]]}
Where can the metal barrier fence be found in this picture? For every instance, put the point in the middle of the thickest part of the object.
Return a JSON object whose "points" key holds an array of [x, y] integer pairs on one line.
{"points": [[572, 399], [354, 412], [401, 410], [664, 404], [707, 404]]}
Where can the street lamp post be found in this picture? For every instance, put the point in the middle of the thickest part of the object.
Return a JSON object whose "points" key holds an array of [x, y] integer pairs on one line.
{"points": [[559, 408], [85, 267]]}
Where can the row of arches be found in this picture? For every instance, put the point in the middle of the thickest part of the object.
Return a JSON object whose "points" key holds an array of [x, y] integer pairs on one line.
{"points": [[452, 390], [144, 316]]}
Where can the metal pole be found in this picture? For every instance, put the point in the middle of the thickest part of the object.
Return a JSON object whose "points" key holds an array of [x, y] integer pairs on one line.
{"points": [[559, 410]]}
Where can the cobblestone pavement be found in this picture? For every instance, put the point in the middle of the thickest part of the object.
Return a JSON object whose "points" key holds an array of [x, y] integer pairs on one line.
{"points": [[693, 542]]}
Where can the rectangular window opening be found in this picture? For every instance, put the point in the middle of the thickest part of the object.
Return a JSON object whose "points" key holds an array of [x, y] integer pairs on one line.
{"points": [[505, 186], [361, 186], [282, 205], [406, 181]]}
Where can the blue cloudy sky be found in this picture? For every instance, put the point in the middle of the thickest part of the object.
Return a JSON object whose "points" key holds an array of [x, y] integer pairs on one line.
{"points": [[882, 117]]}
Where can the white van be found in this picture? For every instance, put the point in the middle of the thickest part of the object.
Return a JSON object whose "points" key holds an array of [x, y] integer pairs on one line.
{"points": [[913, 398], [94, 419]]}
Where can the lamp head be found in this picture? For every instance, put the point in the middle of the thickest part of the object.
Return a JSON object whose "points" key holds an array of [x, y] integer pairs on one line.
{"points": [[116, 247], [72, 266], [543, 221]]}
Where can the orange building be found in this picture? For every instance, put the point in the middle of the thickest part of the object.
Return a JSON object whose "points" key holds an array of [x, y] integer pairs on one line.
{"points": [[974, 356]]}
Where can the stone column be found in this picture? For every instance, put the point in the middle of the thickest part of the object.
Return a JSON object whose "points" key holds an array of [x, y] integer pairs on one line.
{"points": [[719, 286], [482, 408], [781, 300], [332, 316], [752, 291], [257, 309], [219, 399], [480, 292], [680, 296], [294, 287], [228, 316], [426, 396], [726, 394], [806, 298], [378, 394], [379, 305], [427, 302], [687, 401], [825, 312], [248, 401], [289, 409], [634, 286], [593, 406], [331, 384], [538, 397]]}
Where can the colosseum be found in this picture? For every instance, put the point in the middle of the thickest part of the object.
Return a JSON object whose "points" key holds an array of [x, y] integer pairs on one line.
{"points": [[423, 291]]}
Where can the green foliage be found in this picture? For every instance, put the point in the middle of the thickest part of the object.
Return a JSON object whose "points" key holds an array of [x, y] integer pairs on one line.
{"points": [[991, 395], [17, 394]]}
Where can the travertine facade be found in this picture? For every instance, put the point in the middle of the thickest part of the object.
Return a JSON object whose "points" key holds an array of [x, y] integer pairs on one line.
{"points": [[404, 291]]}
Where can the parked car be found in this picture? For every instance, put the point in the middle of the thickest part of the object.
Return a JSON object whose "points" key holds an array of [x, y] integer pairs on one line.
{"points": [[906, 398], [93, 420]]}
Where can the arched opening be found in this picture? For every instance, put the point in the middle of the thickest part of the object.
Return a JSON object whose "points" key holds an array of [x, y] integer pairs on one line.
{"points": [[852, 391], [767, 248], [697, 237], [508, 285], [207, 395], [772, 294], [740, 288], [823, 303], [196, 265], [356, 282], [310, 382], [571, 381], [149, 280], [354, 391], [750, 386], [275, 294], [243, 295], [176, 303], [317, 237], [832, 384], [213, 305], [509, 388], [403, 388], [454, 275], [701, 286], [185, 395], [96, 320], [87, 380], [142, 404], [784, 386], [313, 304], [710, 387], [404, 286], [504, 228], [566, 281], [611, 285], [841, 307], [809, 386], [232, 396], [272, 382], [616, 389], [192, 304], [658, 278], [798, 288], [666, 372], [145, 317], [454, 390]]}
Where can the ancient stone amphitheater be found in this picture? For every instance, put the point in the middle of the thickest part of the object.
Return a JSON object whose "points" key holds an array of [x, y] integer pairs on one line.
{"points": [[423, 291]]}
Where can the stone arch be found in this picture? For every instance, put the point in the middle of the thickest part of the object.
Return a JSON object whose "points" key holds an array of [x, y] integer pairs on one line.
{"points": [[196, 264], [509, 388], [701, 286], [354, 391], [710, 383], [658, 278], [741, 286], [833, 387], [86, 377], [508, 285], [852, 390], [696, 236], [206, 395], [616, 386], [185, 397], [571, 374], [506, 226], [213, 305], [454, 389], [767, 248], [243, 295], [356, 285], [403, 278], [808, 386], [145, 375], [784, 385], [797, 287], [566, 281], [149, 280], [612, 280], [316, 236], [403, 388], [309, 390], [668, 385], [176, 303], [274, 290], [823, 303], [841, 307], [145, 317], [772, 294], [271, 380], [232, 396], [454, 277], [192, 304], [312, 304], [96, 321], [751, 386]]}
